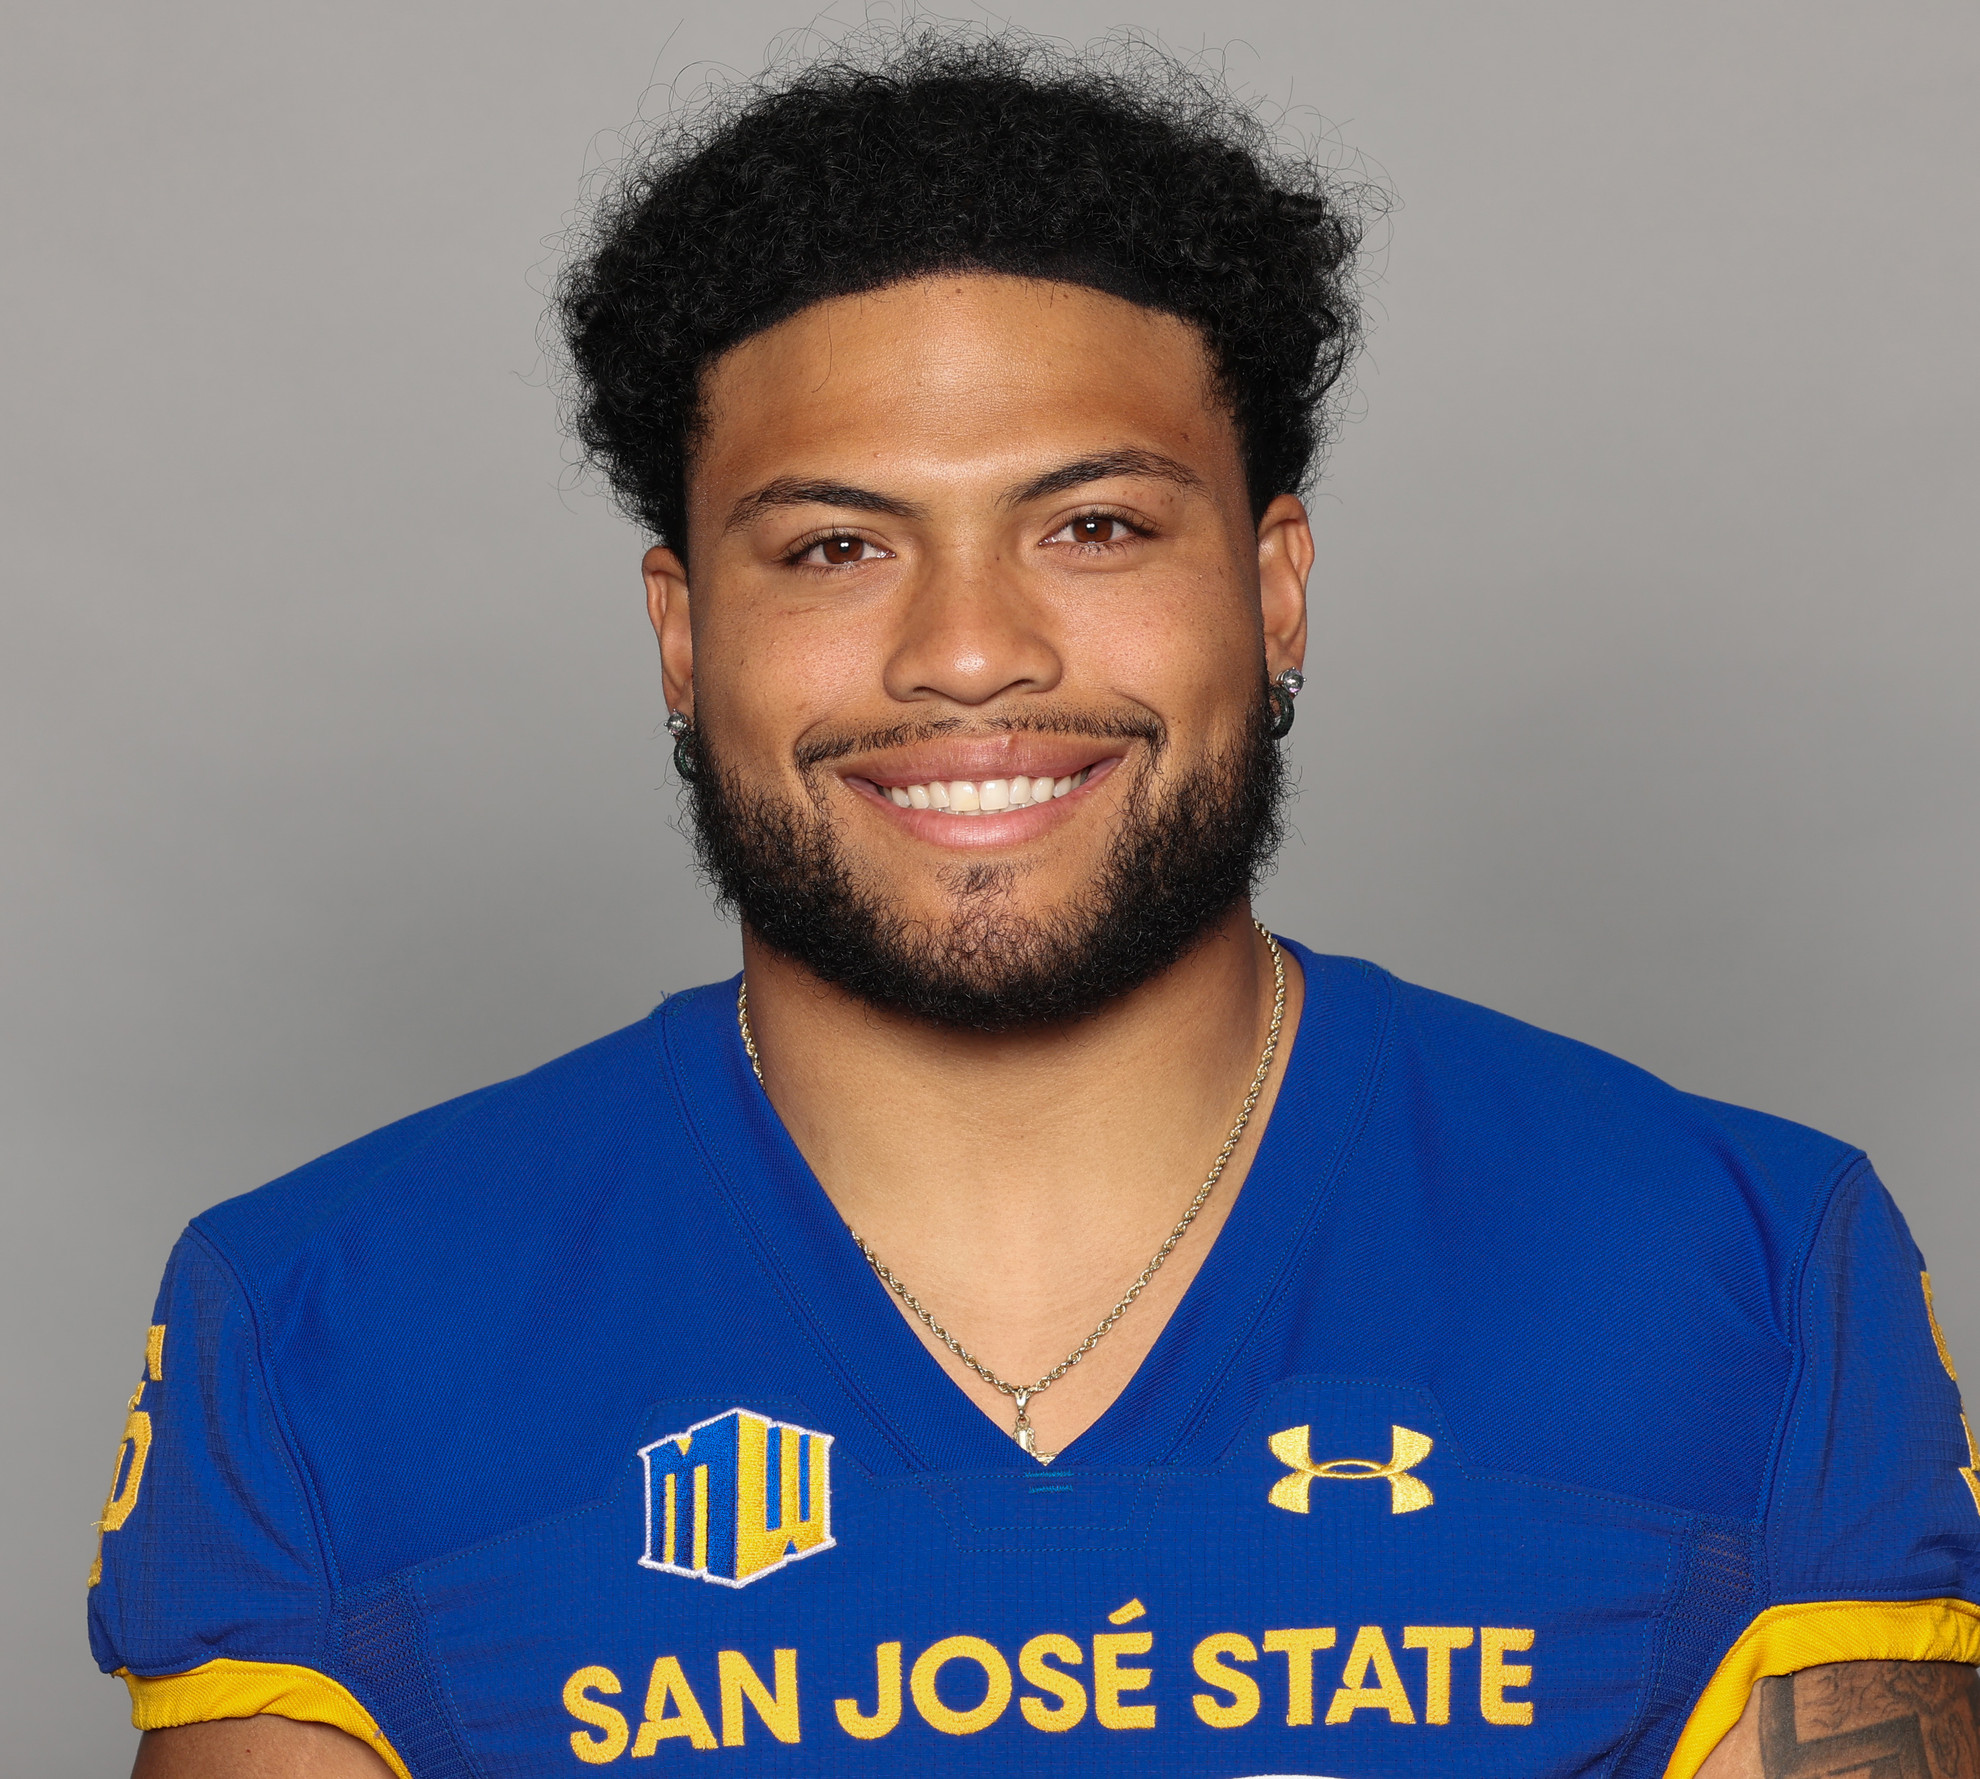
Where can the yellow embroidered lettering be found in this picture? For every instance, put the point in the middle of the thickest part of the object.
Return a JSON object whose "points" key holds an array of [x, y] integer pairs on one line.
{"points": [[1126, 1615], [135, 1444], [136, 1441], [668, 1685], [801, 1500], [996, 1688], [739, 1681], [1297, 1647], [1062, 1686], [887, 1703], [1370, 1650], [1437, 1642], [1110, 1680], [1970, 1471], [1495, 1674], [1938, 1336], [1209, 1658], [595, 1751]]}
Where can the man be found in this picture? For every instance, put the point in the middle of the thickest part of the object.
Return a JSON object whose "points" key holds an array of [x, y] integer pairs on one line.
{"points": [[1032, 1320]]}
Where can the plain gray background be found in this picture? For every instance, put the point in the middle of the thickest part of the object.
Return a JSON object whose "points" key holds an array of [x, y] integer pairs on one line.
{"points": [[1641, 692]]}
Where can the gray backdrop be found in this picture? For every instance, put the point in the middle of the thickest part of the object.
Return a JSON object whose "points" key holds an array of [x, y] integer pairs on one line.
{"points": [[1640, 692]]}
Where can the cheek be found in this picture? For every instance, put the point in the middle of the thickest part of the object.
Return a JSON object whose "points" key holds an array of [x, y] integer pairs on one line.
{"points": [[763, 678], [1186, 649]]}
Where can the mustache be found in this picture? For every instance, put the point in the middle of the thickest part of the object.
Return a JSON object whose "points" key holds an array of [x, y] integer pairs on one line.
{"points": [[821, 750]]}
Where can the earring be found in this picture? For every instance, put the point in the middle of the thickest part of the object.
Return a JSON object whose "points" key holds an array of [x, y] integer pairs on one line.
{"points": [[1280, 691], [681, 727]]}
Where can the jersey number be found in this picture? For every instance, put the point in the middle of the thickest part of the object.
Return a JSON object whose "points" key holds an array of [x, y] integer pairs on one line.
{"points": [[127, 1474]]}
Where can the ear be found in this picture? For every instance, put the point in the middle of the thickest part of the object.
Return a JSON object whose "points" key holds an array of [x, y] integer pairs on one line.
{"points": [[1285, 558], [667, 606]]}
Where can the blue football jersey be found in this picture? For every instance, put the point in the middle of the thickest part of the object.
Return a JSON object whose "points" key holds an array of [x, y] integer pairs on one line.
{"points": [[1523, 1413]]}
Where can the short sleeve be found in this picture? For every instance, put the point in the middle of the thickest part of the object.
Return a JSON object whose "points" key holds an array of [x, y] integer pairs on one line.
{"points": [[1875, 1495], [1872, 1526], [208, 1551]]}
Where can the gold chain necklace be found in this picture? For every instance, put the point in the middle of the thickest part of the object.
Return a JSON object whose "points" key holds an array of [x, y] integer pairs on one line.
{"points": [[1021, 1394]]}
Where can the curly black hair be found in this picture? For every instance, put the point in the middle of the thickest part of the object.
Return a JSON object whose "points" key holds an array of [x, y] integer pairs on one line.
{"points": [[928, 150]]}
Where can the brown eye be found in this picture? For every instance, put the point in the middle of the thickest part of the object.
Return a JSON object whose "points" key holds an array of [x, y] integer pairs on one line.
{"points": [[1095, 529], [838, 551]]}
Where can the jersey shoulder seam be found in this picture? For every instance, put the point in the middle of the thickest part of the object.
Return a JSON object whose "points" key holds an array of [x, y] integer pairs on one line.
{"points": [[295, 1460], [1849, 1170]]}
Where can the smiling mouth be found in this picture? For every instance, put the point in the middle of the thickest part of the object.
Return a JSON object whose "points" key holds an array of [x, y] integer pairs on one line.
{"points": [[983, 796]]}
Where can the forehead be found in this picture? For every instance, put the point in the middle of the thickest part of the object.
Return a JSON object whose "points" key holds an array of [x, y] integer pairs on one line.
{"points": [[955, 377]]}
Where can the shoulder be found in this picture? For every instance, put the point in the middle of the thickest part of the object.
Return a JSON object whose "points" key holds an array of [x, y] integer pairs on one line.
{"points": [[504, 1156], [1607, 1276], [1594, 1138], [490, 1262], [402, 1263]]}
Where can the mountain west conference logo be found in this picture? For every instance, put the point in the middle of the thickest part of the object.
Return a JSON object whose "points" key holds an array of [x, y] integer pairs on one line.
{"points": [[735, 1497]]}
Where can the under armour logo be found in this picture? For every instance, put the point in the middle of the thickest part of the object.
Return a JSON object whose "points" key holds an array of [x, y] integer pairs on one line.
{"points": [[1407, 1449]]}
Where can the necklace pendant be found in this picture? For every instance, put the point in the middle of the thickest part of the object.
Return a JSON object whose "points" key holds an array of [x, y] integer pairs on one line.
{"points": [[1024, 1433], [1029, 1441]]}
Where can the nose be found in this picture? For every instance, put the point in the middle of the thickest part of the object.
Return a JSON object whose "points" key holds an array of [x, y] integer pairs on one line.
{"points": [[969, 632]]}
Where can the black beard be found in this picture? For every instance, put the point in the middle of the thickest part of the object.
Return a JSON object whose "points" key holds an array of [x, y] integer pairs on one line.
{"points": [[1188, 851]]}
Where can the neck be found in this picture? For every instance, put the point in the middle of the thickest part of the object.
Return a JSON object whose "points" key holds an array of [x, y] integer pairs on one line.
{"points": [[1017, 1182]]}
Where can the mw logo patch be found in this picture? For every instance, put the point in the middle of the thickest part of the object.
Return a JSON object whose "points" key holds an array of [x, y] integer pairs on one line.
{"points": [[733, 1498]]}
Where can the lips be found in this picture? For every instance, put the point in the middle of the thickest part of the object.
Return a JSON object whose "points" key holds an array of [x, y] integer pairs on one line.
{"points": [[989, 792], [1002, 788]]}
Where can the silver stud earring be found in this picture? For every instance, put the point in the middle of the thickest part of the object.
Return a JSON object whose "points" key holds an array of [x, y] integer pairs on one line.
{"points": [[681, 727], [1280, 691]]}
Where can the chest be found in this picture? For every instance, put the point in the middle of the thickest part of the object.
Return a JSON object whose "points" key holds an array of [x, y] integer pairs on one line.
{"points": [[1345, 1592]]}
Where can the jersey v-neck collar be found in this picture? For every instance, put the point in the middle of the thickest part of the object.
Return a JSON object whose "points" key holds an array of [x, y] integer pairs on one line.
{"points": [[1177, 1406]]}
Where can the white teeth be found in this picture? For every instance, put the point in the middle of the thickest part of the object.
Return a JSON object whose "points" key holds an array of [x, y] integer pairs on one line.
{"points": [[989, 796]]}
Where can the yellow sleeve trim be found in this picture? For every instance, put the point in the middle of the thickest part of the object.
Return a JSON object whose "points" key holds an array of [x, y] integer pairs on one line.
{"points": [[222, 1689], [1786, 1639]]}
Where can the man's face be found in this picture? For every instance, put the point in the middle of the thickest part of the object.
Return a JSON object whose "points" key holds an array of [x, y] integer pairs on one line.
{"points": [[978, 541]]}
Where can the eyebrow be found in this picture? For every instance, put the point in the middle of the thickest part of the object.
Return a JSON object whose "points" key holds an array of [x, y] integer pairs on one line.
{"points": [[798, 491], [1127, 461]]}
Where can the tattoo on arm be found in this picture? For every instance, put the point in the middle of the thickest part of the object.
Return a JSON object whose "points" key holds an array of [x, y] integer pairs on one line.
{"points": [[1871, 1720]]}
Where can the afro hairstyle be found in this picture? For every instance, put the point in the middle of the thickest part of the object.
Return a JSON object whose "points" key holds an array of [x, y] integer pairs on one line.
{"points": [[927, 150]]}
